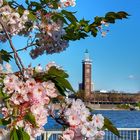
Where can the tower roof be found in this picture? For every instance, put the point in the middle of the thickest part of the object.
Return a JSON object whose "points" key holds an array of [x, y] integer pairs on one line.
{"points": [[87, 57], [86, 51]]}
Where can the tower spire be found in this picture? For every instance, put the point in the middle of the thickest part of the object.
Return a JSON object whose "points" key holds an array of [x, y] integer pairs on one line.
{"points": [[86, 55]]}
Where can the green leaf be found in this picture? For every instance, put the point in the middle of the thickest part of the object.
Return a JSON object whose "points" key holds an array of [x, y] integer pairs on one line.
{"points": [[84, 22], [54, 4], [87, 28], [64, 83], [59, 76], [94, 31], [97, 21], [112, 16], [14, 135], [25, 135], [123, 14], [4, 56], [70, 16], [60, 88], [59, 16], [57, 72], [3, 95], [27, 2], [31, 118], [5, 2], [31, 16], [36, 5], [4, 122], [19, 134], [20, 10], [74, 34], [109, 125], [22, 134]]}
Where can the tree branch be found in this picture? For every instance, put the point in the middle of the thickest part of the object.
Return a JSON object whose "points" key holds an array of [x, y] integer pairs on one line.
{"points": [[16, 57], [58, 120], [25, 48]]}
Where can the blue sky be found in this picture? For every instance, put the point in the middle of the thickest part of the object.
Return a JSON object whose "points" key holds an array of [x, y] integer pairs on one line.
{"points": [[115, 57]]}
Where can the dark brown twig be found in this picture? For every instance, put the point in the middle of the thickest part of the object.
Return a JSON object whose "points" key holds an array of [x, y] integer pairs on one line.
{"points": [[25, 48], [59, 120]]}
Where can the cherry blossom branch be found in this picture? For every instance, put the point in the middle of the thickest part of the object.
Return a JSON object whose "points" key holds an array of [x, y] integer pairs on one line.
{"points": [[25, 48], [16, 56], [59, 120]]}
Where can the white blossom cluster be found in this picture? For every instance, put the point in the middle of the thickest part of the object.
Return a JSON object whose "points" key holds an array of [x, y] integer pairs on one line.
{"points": [[12, 21], [49, 38], [82, 122]]}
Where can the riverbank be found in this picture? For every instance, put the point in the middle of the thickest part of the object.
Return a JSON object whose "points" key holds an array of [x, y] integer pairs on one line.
{"points": [[104, 106], [97, 106]]}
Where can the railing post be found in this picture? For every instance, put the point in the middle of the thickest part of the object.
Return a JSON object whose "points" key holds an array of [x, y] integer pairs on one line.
{"points": [[48, 135], [127, 133], [44, 136], [137, 131]]}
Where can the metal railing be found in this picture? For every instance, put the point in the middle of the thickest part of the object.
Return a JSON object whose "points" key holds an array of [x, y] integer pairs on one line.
{"points": [[125, 133]]}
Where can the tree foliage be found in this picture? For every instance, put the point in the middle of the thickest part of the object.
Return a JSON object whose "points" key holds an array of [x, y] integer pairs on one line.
{"points": [[52, 26]]}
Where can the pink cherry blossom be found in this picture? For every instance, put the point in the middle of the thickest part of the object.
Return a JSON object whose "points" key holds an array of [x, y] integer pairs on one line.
{"points": [[98, 120], [8, 68], [51, 64], [5, 112], [29, 96], [20, 124], [46, 100], [99, 135], [4, 134], [17, 99], [30, 83], [14, 23], [88, 130], [1, 3], [50, 89], [38, 68], [9, 89], [66, 3], [74, 119], [40, 114], [68, 134], [10, 79]]}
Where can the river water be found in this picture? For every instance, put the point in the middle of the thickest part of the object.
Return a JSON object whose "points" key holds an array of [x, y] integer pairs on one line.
{"points": [[123, 119], [120, 118]]}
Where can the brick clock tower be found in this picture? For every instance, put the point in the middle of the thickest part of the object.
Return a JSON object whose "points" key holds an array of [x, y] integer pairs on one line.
{"points": [[86, 75]]}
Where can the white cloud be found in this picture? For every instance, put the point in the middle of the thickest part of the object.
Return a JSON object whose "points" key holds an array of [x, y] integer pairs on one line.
{"points": [[131, 76]]}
